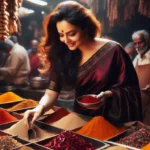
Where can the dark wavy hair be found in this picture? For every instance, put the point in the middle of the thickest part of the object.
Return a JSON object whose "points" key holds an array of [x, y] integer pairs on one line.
{"points": [[61, 59]]}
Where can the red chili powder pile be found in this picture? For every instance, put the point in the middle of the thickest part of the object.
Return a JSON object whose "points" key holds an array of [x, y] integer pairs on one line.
{"points": [[56, 116], [5, 117], [89, 99]]}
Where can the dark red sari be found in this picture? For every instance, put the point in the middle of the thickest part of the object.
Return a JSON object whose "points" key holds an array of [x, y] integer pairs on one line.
{"points": [[110, 68]]}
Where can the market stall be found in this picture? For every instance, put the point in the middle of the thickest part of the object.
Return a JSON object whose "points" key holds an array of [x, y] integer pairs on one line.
{"points": [[57, 127]]}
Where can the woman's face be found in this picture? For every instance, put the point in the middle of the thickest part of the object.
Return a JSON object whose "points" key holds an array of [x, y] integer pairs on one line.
{"points": [[69, 34]]}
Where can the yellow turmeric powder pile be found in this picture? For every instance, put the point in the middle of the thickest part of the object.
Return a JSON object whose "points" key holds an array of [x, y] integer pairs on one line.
{"points": [[99, 128], [9, 97], [25, 104]]}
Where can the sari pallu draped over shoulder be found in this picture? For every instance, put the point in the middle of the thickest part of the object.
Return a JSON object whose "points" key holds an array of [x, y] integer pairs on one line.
{"points": [[110, 68]]}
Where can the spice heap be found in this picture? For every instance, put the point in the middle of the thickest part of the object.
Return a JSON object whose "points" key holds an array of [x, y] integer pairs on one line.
{"points": [[56, 116], [25, 148], [7, 143], [89, 99], [99, 128], [50, 111], [20, 129], [25, 104], [68, 140], [9, 97], [5, 117], [69, 122], [116, 148], [137, 139], [147, 147]]}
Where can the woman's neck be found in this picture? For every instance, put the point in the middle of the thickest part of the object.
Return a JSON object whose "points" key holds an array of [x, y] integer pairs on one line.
{"points": [[88, 47], [87, 50]]}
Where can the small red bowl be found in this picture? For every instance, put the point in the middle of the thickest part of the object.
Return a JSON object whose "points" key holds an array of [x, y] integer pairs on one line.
{"points": [[89, 101]]}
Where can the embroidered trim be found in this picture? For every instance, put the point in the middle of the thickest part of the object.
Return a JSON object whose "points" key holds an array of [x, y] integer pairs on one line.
{"points": [[96, 57]]}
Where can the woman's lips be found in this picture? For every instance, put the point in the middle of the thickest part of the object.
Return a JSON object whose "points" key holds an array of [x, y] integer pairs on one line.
{"points": [[70, 45]]}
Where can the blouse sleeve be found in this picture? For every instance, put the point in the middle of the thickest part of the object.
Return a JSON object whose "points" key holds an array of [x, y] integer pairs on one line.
{"points": [[55, 82]]}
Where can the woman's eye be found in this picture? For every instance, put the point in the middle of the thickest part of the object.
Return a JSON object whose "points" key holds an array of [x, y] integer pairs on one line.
{"points": [[72, 34]]}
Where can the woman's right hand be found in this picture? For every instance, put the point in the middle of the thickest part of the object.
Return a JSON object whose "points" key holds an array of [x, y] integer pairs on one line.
{"points": [[32, 115]]}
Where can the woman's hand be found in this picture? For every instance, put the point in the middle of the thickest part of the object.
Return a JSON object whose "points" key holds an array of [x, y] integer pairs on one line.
{"points": [[32, 115], [104, 95], [146, 89]]}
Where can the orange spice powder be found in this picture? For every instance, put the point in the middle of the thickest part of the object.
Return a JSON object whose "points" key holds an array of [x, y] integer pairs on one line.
{"points": [[24, 104], [147, 147], [99, 128], [9, 97]]}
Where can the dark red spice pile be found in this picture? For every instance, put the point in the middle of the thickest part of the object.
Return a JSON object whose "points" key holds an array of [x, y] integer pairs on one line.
{"points": [[137, 139], [89, 99], [62, 112], [67, 140]]}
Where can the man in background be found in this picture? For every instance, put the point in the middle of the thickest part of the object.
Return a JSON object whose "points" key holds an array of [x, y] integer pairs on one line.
{"points": [[141, 63], [16, 68]]}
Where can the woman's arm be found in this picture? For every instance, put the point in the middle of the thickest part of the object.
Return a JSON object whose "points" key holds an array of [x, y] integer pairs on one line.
{"points": [[45, 104], [48, 100]]}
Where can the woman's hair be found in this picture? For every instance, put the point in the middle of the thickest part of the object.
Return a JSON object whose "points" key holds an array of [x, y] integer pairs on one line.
{"points": [[61, 59]]}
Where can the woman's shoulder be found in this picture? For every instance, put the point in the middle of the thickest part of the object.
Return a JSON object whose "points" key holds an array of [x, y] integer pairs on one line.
{"points": [[104, 41], [109, 44]]}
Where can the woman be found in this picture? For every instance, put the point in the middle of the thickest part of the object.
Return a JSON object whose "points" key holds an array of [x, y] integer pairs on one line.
{"points": [[91, 65]]}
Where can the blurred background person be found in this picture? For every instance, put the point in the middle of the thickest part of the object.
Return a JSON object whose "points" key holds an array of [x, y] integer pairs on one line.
{"points": [[14, 39], [34, 59], [141, 63], [16, 69], [130, 50]]}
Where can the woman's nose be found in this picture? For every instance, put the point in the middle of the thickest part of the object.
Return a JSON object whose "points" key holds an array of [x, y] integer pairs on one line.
{"points": [[66, 39]]}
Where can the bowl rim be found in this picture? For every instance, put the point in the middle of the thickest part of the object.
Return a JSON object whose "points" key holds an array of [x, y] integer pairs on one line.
{"points": [[78, 99]]}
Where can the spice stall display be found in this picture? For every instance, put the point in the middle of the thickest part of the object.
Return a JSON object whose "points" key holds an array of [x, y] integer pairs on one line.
{"points": [[9, 22], [138, 139], [8, 143], [99, 128], [9, 97], [24, 104], [69, 140], [6, 117]]}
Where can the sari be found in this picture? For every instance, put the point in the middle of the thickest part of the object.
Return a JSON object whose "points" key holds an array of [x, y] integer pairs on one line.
{"points": [[110, 68]]}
